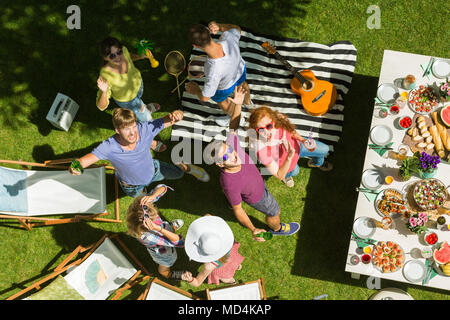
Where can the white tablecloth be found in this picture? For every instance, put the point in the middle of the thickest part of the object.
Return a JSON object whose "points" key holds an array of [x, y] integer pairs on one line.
{"points": [[397, 65]]}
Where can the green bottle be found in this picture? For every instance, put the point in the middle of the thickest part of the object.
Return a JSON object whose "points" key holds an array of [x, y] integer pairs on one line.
{"points": [[76, 166], [265, 235]]}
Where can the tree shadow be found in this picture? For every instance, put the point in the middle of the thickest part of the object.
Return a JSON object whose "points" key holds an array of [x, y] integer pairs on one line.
{"points": [[44, 57]]}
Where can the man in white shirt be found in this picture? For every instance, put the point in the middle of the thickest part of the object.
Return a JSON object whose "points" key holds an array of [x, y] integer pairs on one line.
{"points": [[224, 67]]}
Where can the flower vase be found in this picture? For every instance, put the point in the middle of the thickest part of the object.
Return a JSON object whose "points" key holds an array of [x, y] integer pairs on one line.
{"points": [[427, 174]]}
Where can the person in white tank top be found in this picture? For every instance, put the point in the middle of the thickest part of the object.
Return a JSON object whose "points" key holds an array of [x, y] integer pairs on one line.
{"points": [[224, 67]]}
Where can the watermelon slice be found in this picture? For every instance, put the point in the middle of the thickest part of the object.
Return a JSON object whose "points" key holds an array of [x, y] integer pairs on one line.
{"points": [[445, 115], [442, 255]]}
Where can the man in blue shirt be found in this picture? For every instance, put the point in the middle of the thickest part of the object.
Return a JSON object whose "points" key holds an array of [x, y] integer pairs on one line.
{"points": [[129, 153]]}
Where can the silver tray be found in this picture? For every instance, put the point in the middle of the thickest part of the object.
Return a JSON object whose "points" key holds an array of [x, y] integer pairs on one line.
{"points": [[411, 107], [380, 197]]}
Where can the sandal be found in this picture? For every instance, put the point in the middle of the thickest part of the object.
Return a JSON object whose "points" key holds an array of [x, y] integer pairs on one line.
{"points": [[153, 107], [160, 147]]}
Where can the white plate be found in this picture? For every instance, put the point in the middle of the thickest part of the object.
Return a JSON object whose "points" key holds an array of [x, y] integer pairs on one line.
{"points": [[441, 68], [387, 92], [414, 270], [372, 179], [364, 227], [381, 135]]}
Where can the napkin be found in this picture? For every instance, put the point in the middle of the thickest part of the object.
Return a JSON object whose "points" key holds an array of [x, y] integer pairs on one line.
{"points": [[369, 196], [425, 70], [381, 103], [380, 151], [361, 243], [430, 274]]}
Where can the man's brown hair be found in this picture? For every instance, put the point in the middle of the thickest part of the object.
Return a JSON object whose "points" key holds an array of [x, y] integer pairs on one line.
{"points": [[123, 117], [199, 35]]}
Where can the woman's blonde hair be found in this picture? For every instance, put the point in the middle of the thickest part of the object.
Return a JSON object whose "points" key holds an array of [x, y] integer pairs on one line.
{"points": [[135, 217], [279, 119]]}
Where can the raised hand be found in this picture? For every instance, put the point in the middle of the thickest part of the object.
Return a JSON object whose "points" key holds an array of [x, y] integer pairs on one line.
{"points": [[213, 27], [239, 95], [102, 84]]}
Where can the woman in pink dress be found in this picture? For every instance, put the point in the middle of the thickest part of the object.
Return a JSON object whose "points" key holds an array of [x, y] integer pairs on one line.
{"points": [[279, 147]]}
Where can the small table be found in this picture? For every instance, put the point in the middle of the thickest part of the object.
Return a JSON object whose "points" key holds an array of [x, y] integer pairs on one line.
{"points": [[397, 65]]}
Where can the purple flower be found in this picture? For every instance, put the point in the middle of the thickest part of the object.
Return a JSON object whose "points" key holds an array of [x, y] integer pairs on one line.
{"points": [[413, 222]]}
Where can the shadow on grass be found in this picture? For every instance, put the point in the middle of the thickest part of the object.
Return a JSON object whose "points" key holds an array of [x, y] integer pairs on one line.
{"points": [[44, 57], [330, 203]]}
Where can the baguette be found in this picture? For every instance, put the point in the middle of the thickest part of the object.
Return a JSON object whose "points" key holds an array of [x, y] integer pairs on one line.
{"points": [[437, 141], [442, 131]]}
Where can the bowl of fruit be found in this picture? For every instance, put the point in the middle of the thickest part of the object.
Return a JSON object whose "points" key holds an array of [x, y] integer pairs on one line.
{"points": [[404, 123], [430, 238]]}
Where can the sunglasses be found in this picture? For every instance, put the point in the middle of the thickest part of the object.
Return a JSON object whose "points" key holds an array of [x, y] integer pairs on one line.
{"points": [[118, 53], [269, 126], [227, 155], [146, 215]]}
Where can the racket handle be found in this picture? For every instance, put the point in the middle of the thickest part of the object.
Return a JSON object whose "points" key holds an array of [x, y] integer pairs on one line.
{"points": [[179, 84]]}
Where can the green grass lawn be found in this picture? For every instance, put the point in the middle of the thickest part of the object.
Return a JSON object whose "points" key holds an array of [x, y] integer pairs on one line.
{"points": [[39, 57]]}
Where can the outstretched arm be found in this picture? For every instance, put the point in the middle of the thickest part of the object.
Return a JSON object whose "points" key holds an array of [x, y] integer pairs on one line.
{"points": [[85, 162], [214, 27]]}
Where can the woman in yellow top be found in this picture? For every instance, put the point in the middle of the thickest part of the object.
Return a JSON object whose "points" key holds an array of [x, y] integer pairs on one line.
{"points": [[121, 80]]}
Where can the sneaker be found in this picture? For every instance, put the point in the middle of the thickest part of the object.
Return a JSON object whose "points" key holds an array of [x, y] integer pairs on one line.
{"points": [[326, 166], [177, 224], [289, 182], [176, 275], [223, 121], [198, 172], [287, 229]]}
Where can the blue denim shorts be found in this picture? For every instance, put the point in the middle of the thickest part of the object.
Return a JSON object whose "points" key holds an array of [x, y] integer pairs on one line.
{"points": [[221, 95], [163, 170], [136, 105], [165, 256]]}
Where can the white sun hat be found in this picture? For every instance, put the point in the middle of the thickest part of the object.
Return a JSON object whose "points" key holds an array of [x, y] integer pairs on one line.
{"points": [[208, 238]]}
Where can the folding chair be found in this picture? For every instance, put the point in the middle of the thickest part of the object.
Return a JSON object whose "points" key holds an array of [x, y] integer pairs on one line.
{"points": [[27, 194], [96, 276], [252, 290], [159, 290]]}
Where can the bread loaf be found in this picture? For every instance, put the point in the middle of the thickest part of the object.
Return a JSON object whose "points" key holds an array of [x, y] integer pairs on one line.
{"points": [[442, 131], [437, 141]]}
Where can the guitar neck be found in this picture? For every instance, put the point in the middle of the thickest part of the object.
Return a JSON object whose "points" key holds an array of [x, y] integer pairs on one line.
{"points": [[290, 68]]}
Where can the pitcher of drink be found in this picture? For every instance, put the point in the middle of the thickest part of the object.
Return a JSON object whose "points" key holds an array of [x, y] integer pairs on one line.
{"points": [[310, 143], [409, 82]]}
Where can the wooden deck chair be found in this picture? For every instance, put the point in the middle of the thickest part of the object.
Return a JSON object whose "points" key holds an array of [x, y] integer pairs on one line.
{"points": [[103, 271], [159, 290], [27, 195], [252, 290]]}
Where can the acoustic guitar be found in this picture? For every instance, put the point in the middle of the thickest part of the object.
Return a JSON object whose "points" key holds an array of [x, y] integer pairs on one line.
{"points": [[317, 96]]}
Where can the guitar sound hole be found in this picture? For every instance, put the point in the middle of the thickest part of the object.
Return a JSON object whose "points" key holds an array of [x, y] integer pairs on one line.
{"points": [[307, 86]]}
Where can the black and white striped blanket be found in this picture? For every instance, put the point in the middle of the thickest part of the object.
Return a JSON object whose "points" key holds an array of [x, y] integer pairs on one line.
{"points": [[269, 83]]}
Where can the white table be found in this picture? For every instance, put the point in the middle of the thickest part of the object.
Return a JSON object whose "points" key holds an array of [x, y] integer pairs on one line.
{"points": [[397, 65]]}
